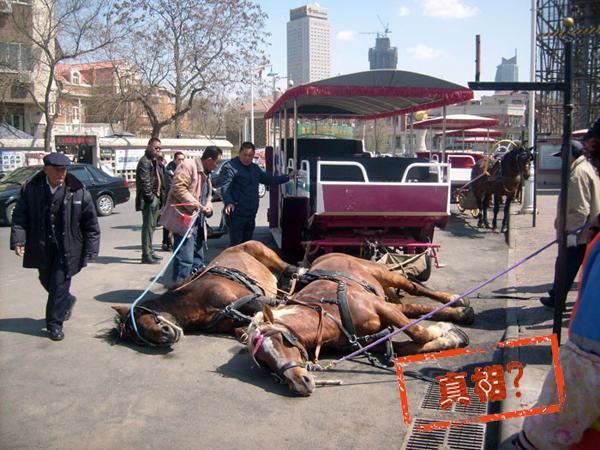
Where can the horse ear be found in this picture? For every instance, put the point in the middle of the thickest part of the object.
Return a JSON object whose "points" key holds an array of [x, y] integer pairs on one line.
{"points": [[267, 313], [122, 310]]}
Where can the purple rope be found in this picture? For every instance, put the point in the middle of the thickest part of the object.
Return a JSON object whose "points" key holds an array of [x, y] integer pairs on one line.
{"points": [[426, 316]]}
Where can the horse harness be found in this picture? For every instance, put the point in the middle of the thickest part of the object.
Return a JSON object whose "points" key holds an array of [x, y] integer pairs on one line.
{"points": [[232, 310], [346, 325]]}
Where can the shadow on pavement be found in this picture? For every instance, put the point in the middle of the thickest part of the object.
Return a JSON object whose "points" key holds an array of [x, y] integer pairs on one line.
{"points": [[115, 260], [242, 368], [24, 325], [124, 296]]}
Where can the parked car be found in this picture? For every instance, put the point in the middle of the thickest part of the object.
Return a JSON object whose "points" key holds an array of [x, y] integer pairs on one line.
{"points": [[216, 177], [106, 191]]}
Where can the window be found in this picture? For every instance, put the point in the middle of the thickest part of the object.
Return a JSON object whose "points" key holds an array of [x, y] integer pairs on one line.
{"points": [[75, 77], [76, 114], [82, 174], [15, 56]]}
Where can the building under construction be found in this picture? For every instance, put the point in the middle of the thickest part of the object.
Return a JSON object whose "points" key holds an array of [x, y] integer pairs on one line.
{"points": [[550, 66]]}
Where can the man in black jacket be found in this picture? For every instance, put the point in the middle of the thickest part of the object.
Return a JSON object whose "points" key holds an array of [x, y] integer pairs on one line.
{"points": [[55, 230], [149, 188], [241, 178]]}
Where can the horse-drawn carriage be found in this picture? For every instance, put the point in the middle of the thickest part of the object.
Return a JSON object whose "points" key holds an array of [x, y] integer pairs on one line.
{"points": [[498, 175], [344, 197]]}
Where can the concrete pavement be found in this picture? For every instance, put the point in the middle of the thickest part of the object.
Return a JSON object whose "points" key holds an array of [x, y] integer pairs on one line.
{"points": [[526, 316]]}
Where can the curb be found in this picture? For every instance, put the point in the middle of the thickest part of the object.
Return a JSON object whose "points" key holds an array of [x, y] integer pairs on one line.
{"points": [[508, 428]]}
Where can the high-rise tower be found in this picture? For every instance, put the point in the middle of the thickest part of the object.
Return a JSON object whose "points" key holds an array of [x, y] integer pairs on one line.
{"points": [[383, 56], [508, 70], [308, 44]]}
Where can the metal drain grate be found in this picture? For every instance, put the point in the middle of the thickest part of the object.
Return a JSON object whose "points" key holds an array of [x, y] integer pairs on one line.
{"points": [[432, 401], [464, 437]]}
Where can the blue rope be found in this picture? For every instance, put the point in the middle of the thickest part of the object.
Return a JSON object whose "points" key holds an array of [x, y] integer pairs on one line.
{"points": [[162, 271]]}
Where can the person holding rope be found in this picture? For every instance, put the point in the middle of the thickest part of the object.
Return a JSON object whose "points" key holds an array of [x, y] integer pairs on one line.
{"points": [[578, 421], [583, 206], [191, 192]]}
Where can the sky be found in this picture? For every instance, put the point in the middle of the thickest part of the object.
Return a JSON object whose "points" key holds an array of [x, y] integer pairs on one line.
{"points": [[434, 37]]}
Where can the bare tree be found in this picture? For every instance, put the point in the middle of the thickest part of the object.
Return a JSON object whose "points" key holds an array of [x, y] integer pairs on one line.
{"points": [[57, 31], [192, 48]]}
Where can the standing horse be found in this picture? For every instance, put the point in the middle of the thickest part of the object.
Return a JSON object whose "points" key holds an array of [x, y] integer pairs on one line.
{"points": [[240, 272], [502, 179], [318, 315]]}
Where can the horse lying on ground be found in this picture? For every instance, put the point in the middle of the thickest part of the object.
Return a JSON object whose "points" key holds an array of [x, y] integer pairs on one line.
{"points": [[240, 272], [318, 315], [502, 179]]}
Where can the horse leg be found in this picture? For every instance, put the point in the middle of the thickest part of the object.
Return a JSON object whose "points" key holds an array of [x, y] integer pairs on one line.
{"points": [[392, 279], [506, 213], [464, 315], [497, 200], [480, 200], [437, 337], [486, 205], [267, 257]]}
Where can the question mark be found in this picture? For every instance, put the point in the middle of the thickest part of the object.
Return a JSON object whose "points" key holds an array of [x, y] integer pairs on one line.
{"points": [[518, 377]]}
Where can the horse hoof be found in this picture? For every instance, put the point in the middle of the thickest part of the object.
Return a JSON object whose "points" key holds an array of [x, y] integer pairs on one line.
{"points": [[467, 315], [462, 302]]}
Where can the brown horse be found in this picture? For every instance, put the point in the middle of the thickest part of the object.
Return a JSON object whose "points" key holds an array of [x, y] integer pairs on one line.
{"points": [[503, 178], [197, 305], [280, 338]]}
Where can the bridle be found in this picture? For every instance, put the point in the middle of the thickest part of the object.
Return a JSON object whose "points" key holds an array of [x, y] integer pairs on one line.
{"points": [[258, 339], [126, 327]]}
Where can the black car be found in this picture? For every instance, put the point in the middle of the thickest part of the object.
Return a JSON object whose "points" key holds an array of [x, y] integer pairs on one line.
{"points": [[217, 182], [106, 191]]}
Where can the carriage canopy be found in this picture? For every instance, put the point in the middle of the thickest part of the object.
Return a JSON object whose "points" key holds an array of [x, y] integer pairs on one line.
{"points": [[371, 95]]}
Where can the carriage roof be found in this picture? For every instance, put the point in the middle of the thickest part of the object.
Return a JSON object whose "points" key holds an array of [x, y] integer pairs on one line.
{"points": [[370, 95]]}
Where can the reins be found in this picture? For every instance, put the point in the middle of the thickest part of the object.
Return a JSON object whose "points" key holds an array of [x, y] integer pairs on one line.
{"points": [[426, 316]]}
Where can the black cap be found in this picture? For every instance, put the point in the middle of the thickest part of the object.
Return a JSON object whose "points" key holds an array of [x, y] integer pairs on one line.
{"points": [[56, 160], [594, 131], [576, 150]]}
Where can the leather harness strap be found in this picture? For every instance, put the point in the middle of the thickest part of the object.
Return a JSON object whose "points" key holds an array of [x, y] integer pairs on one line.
{"points": [[333, 275], [231, 311]]}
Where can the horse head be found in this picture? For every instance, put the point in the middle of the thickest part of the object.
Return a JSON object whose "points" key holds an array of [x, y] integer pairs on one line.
{"points": [[157, 329], [524, 161], [275, 347]]}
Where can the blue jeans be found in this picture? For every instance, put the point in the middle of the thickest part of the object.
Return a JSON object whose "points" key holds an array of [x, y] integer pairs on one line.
{"points": [[190, 255]]}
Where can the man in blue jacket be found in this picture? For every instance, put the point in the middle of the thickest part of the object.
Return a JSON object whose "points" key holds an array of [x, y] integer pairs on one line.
{"points": [[241, 178], [55, 230]]}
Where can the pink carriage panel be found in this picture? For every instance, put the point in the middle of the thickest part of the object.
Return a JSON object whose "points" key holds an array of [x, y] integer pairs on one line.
{"points": [[380, 198]]}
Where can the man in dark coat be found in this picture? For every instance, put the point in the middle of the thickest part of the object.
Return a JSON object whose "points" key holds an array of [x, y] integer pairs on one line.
{"points": [[55, 229], [241, 178], [149, 188]]}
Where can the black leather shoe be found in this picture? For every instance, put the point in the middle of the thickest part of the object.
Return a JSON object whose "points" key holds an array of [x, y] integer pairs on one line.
{"points": [[69, 311], [149, 260], [155, 256], [167, 247], [548, 302], [57, 334]]}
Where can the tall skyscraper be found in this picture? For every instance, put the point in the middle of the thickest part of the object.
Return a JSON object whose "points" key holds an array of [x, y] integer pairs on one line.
{"points": [[382, 56], [308, 44], [508, 70]]}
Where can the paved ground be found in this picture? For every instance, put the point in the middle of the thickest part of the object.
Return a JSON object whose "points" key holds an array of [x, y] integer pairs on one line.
{"points": [[526, 316], [84, 393]]}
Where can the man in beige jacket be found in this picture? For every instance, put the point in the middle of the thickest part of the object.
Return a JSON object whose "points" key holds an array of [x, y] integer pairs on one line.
{"points": [[583, 206], [190, 191]]}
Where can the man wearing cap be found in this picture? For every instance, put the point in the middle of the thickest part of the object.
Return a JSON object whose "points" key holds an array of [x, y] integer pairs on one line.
{"points": [[55, 229], [583, 206]]}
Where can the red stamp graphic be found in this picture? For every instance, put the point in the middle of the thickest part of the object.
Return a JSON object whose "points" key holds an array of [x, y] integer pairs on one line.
{"points": [[489, 381]]}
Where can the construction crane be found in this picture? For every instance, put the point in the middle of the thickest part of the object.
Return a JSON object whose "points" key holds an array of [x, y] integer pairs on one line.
{"points": [[384, 33]]}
